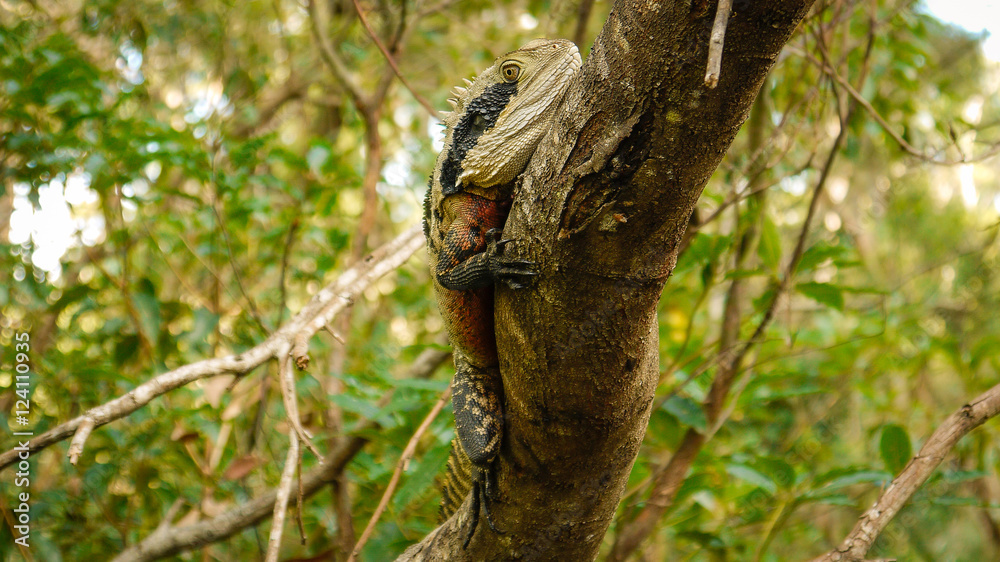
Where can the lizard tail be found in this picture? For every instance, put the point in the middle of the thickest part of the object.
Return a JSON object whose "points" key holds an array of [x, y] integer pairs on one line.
{"points": [[457, 483]]}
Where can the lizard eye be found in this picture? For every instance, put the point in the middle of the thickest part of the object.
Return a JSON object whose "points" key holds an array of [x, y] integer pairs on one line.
{"points": [[510, 71]]}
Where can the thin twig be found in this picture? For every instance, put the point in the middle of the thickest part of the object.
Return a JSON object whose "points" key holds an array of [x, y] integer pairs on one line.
{"points": [[401, 465], [392, 62], [281, 499], [251, 304], [331, 58], [189, 290], [337, 296], [716, 42], [122, 285], [906, 146], [290, 398], [79, 439], [283, 299], [299, 501], [168, 517], [162, 545]]}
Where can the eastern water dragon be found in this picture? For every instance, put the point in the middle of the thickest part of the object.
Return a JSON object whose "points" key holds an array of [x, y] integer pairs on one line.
{"points": [[497, 123]]}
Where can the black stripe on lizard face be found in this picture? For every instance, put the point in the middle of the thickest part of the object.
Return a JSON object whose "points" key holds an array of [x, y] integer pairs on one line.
{"points": [[479, 117]]}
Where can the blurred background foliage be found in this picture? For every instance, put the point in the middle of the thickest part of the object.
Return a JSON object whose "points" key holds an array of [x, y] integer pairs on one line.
{"points": [[178, 178]]}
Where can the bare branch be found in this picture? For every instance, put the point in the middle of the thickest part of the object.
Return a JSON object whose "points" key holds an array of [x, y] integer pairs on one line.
{"points": [[404, 460], [142, 394], [289, 398], [79, 439], [316, 314], [166, 541], [161, 544], [281, 498], [716, 42], [392, 63], [341, 294], [917, 471]]}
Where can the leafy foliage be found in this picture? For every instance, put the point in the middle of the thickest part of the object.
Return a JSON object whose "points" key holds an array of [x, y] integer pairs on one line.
{"points": [[177, 178]]}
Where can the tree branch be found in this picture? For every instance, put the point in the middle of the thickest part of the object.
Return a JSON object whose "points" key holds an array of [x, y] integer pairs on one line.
{"points": [[970, 416], [332, 59], [167, 541], [903, 144], [716, 42], [602, 209], [404, 460], [670, 477], [163, 543], [281, 497], [297, 332], [286, 380], [392, 61]]}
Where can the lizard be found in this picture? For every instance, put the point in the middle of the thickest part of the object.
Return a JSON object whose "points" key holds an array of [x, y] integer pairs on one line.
{"points": [[495, 126]]}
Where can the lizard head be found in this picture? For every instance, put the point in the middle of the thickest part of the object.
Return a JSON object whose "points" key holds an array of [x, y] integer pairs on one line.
{"points": [[500, 119]]}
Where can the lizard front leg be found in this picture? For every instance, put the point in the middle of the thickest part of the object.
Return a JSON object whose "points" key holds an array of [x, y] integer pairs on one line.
{"points": [[473, 270]]}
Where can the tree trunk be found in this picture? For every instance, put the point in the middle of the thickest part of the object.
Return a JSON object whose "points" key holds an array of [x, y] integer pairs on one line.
{"points": [[602, 209]]}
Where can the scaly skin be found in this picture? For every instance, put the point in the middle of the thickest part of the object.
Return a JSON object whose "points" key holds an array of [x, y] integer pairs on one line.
{"points": [[491, 135]]}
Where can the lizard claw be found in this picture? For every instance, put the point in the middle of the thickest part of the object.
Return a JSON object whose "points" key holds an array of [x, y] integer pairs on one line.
{"points": [[483, 491], [515, 273]]}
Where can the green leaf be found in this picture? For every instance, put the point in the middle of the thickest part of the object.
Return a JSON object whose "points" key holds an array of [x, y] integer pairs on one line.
{"points": [[850, 477], [957, 500], [421, 474], [126, 349], [823, 293], [752, 476], [687, 411], [833, 499], [204, 324], [422, 384], [778, 470], [353, 404], [704, 248], [695, 482], [957, 476], [895, 447], [769, 248], [149, 313], [705, 540], [817, 254]]}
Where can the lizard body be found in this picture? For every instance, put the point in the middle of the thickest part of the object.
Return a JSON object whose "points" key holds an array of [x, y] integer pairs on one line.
{"points": [[494, 129]]}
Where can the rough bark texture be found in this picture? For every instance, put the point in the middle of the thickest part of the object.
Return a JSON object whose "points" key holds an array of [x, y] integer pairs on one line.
{"points": [[602, 209]]}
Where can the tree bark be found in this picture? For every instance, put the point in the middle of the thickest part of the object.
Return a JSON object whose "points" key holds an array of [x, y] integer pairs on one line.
{"points": [[602, 209]]}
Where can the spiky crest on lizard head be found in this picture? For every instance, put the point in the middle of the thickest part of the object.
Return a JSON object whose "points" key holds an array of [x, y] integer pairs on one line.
{"points": [[500, 118]]}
